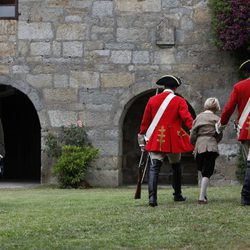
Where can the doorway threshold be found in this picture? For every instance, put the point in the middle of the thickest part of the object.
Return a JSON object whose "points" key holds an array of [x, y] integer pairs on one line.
{"points": [[18, 184]]}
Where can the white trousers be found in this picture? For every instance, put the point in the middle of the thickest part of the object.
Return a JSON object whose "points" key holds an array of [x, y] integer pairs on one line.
{"points": [[172, 157]]}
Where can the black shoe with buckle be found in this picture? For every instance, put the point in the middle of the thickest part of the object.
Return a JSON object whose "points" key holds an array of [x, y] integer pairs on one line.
{"points": [[179, 198], [245, 202], [153, 204]]}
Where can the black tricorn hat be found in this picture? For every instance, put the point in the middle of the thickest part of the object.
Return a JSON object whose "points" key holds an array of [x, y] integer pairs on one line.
{"points": [[169, 81], [245, 66]]}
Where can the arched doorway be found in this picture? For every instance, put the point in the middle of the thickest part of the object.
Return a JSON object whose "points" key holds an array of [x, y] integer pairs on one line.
{"points": [[131, 151], [22, 135]]}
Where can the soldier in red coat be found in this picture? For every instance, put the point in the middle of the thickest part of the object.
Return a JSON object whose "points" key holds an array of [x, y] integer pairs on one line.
{"points": [[161, 134], [240, 97]]}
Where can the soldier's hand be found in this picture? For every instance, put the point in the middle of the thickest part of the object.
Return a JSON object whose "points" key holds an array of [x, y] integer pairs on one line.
{"points": [[141, 141]]}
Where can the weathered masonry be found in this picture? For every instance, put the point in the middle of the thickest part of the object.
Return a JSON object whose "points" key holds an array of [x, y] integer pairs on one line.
{"points": [[95, 60]]}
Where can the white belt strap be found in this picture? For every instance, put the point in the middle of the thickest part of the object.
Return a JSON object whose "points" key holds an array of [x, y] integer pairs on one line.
{"points": [[244, 114], [158, 115]]}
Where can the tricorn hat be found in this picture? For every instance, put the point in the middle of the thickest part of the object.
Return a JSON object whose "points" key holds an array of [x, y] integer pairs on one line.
{"points": [[169, 81], [245, 66]]}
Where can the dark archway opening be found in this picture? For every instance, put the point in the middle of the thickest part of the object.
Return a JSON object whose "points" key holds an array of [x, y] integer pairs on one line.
{"points": [[22, 135], [131, 151]]}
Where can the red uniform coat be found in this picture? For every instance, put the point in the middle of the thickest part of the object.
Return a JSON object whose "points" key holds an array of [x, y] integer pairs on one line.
{"points": [[239, 98], [168, 136]]}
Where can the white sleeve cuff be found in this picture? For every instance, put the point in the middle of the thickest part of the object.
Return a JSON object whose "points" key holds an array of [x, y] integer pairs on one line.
{"points": [[218, 127]]}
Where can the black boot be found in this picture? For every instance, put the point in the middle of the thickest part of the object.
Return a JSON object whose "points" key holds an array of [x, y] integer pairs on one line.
{"points": [[176, 182], [245, 192], [154, 169]]}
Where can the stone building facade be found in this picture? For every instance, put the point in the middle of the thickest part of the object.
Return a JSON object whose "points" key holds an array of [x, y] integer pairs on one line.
{"points": [[98, 60]]}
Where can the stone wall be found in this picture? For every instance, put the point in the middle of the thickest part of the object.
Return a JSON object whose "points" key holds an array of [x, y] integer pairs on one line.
{"points": [[88, 59]]}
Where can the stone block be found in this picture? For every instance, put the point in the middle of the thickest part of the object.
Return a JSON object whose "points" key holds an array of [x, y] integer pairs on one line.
{"points": [[8, 27], [58, 3], [40, 48], [7, 49], [60, 118], [106, 163], [35, 98], [202, 15], [121, 57], [73, 19], [111, 133], [100, 178], [93, 45], [107, 147], [132, 35], [187, 23], [139, 6], [61, 81], [167, 4], [73, 49], [60, 95], [96, 30], [111, 80], [22, 85], [85, 79], [99, 96], [86, 4], [164, 57], [23, 48], [20, 69], [71, 31], [49, 68], [43, 14], [140, 57], [98, 58], [4, 69], [4, 38], [119, 46], [102, 8], [43, 118], [40, 81], [56, 48], [95, 118], [34, 31]]}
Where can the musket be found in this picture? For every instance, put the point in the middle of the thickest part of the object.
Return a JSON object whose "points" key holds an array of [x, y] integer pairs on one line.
{"points": [[142, 168]]}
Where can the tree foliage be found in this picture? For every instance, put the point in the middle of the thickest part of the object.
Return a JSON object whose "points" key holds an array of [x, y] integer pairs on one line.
{"points": [[231, 26]]}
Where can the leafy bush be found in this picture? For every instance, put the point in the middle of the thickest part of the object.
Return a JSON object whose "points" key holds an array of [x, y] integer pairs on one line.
{"points": [[72, 135], [72, 164], [73, 154], [230, 25]]}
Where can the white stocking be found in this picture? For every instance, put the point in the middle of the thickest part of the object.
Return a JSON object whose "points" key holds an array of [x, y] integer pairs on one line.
{"points": [[204, 185], [248, 156]]}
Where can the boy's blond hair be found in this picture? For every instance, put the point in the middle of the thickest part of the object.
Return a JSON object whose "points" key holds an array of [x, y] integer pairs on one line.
{"points": [[212, 104]]}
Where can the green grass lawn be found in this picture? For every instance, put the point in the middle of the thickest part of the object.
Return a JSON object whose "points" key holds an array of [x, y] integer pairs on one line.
{"points": [[47, 218]]}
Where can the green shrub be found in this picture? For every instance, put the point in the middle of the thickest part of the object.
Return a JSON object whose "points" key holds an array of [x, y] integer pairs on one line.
{"points": [[73, 135], [73, 154], [71, 166]]}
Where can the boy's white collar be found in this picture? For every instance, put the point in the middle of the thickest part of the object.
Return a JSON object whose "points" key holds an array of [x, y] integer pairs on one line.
{"points": [[208, 111]]}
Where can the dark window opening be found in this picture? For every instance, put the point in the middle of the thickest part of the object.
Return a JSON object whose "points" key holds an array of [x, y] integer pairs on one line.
{"points": [[22, 136], [9, 9]]}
